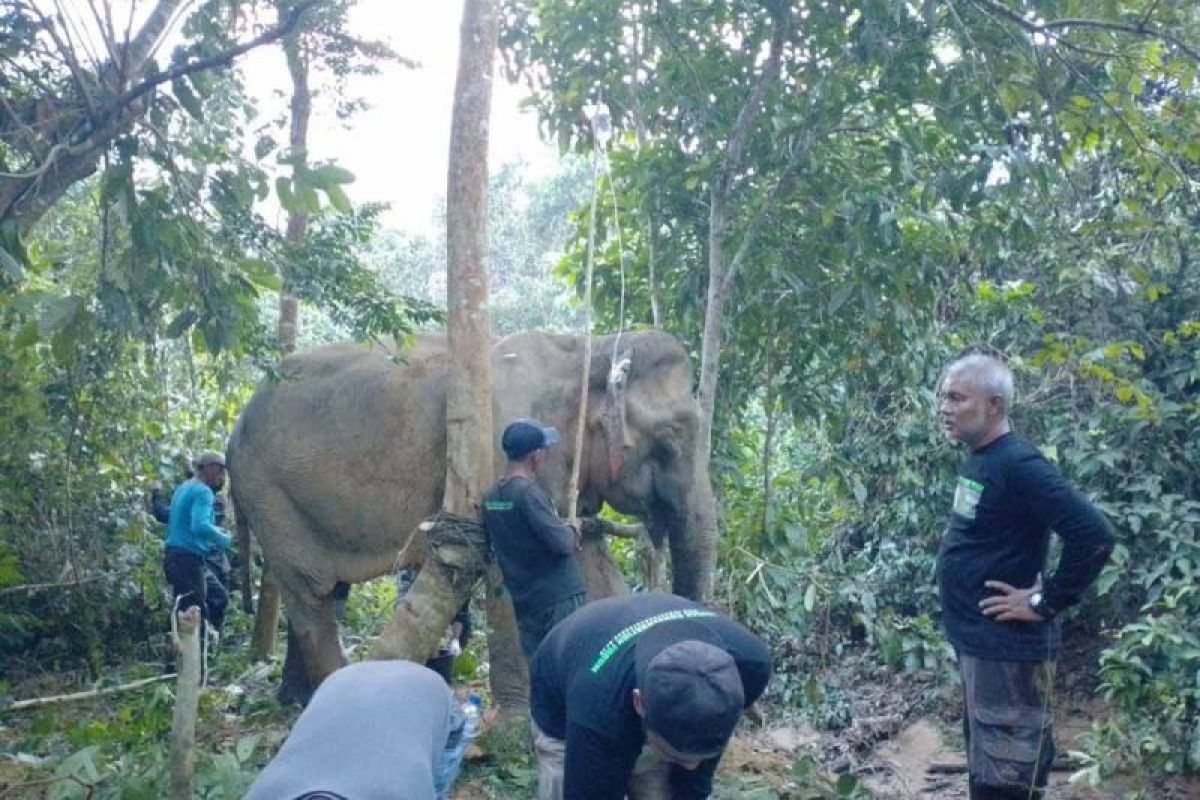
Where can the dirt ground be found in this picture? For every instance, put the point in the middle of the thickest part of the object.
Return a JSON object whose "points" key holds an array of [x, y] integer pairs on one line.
{"points": [[898, 766]]}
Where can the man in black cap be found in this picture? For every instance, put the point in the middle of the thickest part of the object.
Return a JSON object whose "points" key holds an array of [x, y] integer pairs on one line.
{"points": [[534, 548], [639, 695]]}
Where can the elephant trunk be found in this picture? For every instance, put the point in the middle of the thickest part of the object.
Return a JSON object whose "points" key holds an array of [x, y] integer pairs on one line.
{"points": [[694, 540]]}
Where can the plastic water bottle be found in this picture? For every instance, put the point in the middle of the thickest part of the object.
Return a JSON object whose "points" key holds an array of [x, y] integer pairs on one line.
{"points": [[452, 756]]}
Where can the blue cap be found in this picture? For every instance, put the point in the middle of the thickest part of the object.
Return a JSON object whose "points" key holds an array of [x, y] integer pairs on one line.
{"points": [[526, 435]]}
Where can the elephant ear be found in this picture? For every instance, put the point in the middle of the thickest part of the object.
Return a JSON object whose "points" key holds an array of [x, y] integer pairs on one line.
{"points": [[612, 417]]}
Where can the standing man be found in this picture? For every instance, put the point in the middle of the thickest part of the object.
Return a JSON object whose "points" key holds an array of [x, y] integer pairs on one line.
{"points": [[639, 695], [534, 548], [998, 612], [192, 533]]}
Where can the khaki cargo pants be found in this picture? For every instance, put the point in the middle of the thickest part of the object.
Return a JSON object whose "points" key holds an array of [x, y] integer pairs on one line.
{"points": [[649, 781]]}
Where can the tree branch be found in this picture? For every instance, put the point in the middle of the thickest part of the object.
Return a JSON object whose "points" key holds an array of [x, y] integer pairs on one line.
{"points": [[753, 105], [222, 58], [1142, 28], [137, 51]]}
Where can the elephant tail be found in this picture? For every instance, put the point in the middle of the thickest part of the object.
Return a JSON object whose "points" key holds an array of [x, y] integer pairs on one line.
{"points": [[245, 554]]}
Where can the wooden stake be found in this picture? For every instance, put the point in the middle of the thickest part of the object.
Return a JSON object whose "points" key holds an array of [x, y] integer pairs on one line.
{"points": [[187, 700]]}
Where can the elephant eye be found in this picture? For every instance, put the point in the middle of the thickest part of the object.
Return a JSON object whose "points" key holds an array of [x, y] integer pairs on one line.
{"points": [[664, 450]]}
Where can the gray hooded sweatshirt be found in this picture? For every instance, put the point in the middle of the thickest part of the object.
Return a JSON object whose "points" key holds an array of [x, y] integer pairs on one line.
{"points": [[373, 731]]}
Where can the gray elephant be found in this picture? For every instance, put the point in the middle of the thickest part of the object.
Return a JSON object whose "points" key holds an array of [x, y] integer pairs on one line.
{"points": [[336, 463]]}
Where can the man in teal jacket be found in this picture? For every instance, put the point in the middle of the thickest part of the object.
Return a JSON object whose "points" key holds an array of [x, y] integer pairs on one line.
{"points": [[192, 532]]}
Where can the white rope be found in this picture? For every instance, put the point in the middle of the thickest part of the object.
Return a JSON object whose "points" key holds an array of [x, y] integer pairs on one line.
{"points": [[573, 485], [601, 123]]}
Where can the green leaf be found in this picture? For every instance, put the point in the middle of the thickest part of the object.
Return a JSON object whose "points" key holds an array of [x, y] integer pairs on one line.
{"points": [[332, 174], [839, 298], [287, 197], [10, 266], [846, 784], [181, 323], [308, 200], [27, 336], [57, 313], [187, 98], [245, 747], [261, 273], [263, 147], [810, 597], [338, 199]]}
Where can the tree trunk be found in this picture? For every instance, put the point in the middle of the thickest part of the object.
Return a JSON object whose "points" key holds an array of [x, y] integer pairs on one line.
{"points": [[468, 401], [721, 274], [189, 629], [769, 437], [297, 224], [266, 623], [452, 566]]}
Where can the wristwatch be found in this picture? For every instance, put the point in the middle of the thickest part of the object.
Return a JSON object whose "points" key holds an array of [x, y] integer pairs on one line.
{"points": [[1037, 604]]}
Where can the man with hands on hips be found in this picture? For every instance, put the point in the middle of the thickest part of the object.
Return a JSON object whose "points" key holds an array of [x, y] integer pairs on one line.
{"points": [[998, 612]]}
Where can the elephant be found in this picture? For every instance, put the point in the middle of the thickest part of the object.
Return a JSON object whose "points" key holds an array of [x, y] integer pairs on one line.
{"points": [[335, 461]]}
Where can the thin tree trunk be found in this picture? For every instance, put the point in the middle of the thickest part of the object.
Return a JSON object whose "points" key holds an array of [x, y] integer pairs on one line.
{"points": [[187, 700], [769, 436], [266, 622], [721, 275], [454, 566], [297, 224]]}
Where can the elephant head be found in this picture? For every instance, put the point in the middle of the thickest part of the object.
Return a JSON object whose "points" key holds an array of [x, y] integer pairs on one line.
{"points": [[640, 437]]}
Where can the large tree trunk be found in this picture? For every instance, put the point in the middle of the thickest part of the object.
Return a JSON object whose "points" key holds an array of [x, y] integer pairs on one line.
{"points": [[453, 566], [266, 623]]}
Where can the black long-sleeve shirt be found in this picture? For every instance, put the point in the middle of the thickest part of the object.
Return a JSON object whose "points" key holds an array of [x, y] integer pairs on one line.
{"points": [[583, 676], [1007, 500], [535, 550]]}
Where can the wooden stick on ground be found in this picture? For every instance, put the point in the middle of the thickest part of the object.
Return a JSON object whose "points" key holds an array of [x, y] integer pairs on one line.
{"points": [[38, 702], [187, 699], [959, 767]]}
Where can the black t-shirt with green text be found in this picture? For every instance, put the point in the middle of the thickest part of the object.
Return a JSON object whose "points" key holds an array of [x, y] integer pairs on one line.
{"points": [[583, 676], [1007, 499], [534, 548]]}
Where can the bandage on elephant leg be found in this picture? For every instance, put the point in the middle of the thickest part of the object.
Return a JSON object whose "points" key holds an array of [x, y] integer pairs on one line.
{"points": [[455, 553]]}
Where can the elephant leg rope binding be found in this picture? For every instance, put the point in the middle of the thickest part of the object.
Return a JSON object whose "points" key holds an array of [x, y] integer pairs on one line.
{"points": [[447, 537]]}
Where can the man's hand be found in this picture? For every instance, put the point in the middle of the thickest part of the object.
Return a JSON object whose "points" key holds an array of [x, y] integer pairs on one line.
{"points": [[1012, 605], [576, 524]]}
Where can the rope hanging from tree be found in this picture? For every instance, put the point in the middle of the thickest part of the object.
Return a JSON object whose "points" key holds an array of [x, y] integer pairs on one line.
{"points": [[601, 122]]}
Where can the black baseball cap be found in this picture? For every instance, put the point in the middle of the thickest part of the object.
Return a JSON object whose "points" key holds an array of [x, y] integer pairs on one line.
{"points": [[524, 436], [691, 691]]}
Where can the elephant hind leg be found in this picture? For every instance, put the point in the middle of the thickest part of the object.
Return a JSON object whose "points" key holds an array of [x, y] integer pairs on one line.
{"points": [[314, 649]]}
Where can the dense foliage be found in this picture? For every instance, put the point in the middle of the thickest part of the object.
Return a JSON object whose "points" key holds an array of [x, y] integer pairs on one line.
{"points": [[922, 180]]}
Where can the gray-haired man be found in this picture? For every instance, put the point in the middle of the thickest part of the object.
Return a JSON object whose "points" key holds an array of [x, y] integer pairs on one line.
{"points": [[997, 611]]}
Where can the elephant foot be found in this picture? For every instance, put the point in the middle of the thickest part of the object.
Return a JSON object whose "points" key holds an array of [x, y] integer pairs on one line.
{"points": [[291, 693], [294, 686]]}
